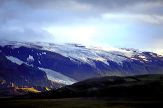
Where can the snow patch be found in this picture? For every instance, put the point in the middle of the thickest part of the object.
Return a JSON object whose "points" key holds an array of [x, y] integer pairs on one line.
{"points": [[143, 57], [30, 58], [44, 53], [14, 60], [39, 62], [102, 60], [58, 77]]}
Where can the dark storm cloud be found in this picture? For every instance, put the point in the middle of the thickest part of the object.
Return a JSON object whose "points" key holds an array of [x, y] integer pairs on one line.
{"points": [[131, 6], [117, 3], [98, 5], [40, 12], [48, 11]]}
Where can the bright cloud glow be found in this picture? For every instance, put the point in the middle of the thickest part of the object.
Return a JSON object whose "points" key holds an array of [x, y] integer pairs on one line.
{"points": [[159, 51], [77, 34]]}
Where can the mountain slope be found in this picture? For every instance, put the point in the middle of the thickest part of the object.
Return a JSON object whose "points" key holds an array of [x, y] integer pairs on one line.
{"points": [[79, 62], [23, 75], [148, 87]]}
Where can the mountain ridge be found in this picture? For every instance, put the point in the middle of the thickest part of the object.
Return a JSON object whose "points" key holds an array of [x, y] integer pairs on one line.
{"points": [[74, 62]]}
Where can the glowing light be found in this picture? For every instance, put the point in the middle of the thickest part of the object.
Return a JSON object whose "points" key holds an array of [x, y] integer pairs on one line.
{"points": [[77, 34], [159, 51]]}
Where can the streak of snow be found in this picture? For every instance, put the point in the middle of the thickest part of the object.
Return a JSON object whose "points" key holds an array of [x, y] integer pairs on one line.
{"points": [[39, 62], [58, 77], [14, 60]]}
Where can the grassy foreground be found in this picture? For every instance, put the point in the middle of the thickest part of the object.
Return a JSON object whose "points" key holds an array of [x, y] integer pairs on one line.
{"points": [[77, 103]]}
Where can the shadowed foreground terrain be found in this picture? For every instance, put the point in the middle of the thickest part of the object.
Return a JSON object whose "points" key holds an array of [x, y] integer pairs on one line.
{"points": [[78, 103], [143, 87], [144, 91]]}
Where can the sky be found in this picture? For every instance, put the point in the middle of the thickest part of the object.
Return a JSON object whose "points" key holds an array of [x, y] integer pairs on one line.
{"points": [[119, 23]]}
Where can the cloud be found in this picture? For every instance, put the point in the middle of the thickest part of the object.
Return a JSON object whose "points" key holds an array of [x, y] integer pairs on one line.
{"points": [[25, 34], [139, 6], [45, 12], [153, 19], [75, 34], [158, 51], [116, 22], [54, 4]]}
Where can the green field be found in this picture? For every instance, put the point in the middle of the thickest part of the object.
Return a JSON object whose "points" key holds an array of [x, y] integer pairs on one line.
{"points": [[77, 103]]}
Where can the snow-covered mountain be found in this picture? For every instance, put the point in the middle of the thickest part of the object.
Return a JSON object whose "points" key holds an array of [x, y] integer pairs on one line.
{"points": [[69, 63]]}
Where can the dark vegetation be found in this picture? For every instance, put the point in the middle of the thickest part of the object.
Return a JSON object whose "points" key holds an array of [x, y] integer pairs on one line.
{"points": [[144, 87], [144, 91]]}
